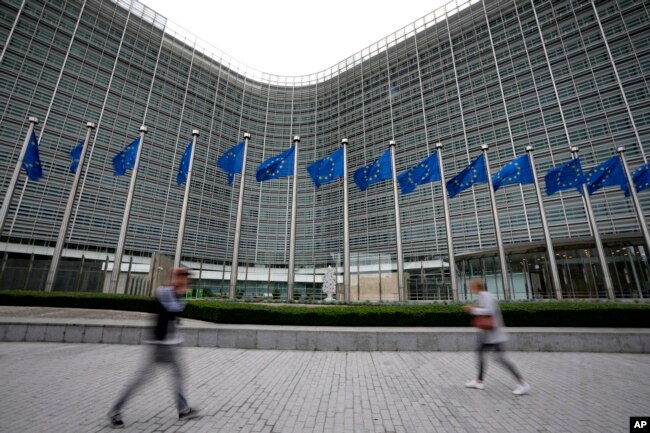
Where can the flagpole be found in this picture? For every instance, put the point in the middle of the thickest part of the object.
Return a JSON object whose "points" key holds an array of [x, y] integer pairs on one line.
{"points": [[60, 242], [234, 266], [294, 201], [635, 198], [555, 276], [398, 227], [181, 227], [14, 178], [119, 251], [592, 222], [450, 242], [497, 227], [346, 224]]}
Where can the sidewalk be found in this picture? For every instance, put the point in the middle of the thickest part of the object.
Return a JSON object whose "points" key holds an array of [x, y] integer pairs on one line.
{"points": [[54, 387], [69, 325], [69, 387]]}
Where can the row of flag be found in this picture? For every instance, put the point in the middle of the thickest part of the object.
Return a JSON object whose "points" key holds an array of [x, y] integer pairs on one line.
{"points": [[612, 172], [122, 161], [32, 159], [518, 171]]}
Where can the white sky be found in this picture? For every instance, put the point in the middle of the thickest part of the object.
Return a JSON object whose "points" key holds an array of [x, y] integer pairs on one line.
{"points": [[292, 37]]}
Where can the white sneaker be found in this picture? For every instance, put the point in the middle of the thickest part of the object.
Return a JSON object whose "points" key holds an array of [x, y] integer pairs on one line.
{"points": [[474, 384], [521, 389]]}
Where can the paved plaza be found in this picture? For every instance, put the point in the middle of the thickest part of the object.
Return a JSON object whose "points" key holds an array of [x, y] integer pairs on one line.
{"points": [[58, 387]]}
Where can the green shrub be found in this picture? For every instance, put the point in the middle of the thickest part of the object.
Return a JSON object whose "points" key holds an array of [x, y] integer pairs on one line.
{"points": [[98, 301], [516, 314]]}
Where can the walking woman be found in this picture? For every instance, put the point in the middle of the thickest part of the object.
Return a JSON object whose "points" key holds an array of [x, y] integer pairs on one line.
{"points": [[486, 305]]}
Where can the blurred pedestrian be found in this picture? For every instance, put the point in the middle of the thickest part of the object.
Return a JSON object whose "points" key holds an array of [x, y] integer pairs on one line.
{"points": [[486, 305], [171, 302]]}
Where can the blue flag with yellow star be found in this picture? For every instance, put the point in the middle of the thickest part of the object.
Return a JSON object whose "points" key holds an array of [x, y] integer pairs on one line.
{"points": [[125, 160], [566, 176], [232, 161], [75, 154], [32, 160], [609, 173], [476, 172], [375, 172], [423, 172], [516, 171], [184, 166], [277, 166], [327, 169], [641, 178]]}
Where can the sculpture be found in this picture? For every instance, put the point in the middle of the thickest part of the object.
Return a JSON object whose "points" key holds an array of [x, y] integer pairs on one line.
{"points": [[329, 284]]}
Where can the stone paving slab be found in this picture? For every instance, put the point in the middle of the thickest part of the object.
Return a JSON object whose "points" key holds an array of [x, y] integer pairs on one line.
{"points": [[69, 388]]}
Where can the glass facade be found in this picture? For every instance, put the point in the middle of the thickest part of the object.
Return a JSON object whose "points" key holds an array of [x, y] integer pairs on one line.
{"points": [[503, 73]]}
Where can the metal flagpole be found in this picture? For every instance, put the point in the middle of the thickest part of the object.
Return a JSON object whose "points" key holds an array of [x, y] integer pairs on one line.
{"points": [[635, 198], [346, 224], [592, 222], [555, 276], [181, 227], [234, 266], [497, 227], [58, 249], [294, 201], [14, 178], [119, 251], [450, 242], [398, 227]]}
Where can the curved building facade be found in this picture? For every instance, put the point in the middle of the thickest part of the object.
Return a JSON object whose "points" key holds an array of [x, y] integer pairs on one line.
{"points": [[507, 74]]}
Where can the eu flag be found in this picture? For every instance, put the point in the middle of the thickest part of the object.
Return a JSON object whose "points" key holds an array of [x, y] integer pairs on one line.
{"points": [[32, 161], [375, 172], [609, 173], [184, 166], [516, 171], [476, 172], [125, 160], [327, 169], [75, 154], [232, 161], [423, 172], [277, 166], [641, 177], [566, 176]]}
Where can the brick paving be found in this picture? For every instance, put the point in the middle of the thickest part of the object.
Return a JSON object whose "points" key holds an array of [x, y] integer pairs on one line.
{"points": [[48, 387]]}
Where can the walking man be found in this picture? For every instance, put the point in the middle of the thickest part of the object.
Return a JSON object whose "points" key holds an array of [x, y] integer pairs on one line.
{"points": [[171, 301]]}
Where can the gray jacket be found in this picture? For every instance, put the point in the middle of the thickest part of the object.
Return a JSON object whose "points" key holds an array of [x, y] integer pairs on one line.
{"points": [[487, 305]]}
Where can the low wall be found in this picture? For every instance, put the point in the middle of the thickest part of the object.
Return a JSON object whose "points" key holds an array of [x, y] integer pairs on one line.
{"points": [[336, 339]]}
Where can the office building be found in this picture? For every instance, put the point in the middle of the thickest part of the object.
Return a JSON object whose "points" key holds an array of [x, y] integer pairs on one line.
{"points": [[506, 73]]}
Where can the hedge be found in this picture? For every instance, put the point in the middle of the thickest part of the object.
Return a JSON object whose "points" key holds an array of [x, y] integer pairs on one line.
{"points": [[92, 300], [516, 314]]}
